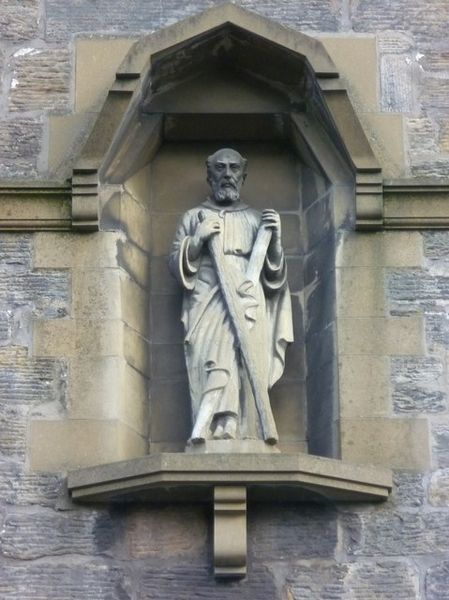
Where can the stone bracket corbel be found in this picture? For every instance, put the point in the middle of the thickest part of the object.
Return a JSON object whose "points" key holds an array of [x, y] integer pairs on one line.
{"points": [[369, 200], [85, 199], [230, 531], [226, 480]]}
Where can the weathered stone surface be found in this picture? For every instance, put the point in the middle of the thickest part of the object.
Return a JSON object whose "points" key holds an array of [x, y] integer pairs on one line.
{"points": [[20, 143], [418, 385], [65, 17], [439, 488], [13, 430], [437, 329], [290, 532], [40, 79], [436, 248], [362, 581], [394, 42], [424, 22], [435, 59], [422, 135], [60, 581], [397, 85], [41, 532], [174, 530], [414, 290], [15, 252], [436, 166], [30, 381], [21, 488], [408, 490], [436, 582], [19, 20], [443, 133], [441, 444], [5, 327], [45, 291], [187, 582], [434, 94], [386, 533]]}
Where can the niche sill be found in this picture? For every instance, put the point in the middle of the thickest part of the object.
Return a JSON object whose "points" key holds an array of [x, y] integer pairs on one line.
{"points": [[178, 477]]}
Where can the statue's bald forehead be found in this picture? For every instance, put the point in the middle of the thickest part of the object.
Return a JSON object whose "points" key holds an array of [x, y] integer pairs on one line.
{"points": [[226, 153]]}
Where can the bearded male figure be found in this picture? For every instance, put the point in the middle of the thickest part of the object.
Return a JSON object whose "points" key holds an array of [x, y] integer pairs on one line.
{"points": [[236, 310]]}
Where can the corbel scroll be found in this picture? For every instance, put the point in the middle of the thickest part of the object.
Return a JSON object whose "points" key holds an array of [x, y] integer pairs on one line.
{"points": [[230, 531]]}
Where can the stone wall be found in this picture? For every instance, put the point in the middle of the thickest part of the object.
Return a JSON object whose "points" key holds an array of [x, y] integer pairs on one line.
{"points": [[51, 549]]}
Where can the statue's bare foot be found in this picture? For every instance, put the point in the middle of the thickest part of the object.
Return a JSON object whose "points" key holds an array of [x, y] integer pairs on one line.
{"points": [[230, 429], [218, 433]]}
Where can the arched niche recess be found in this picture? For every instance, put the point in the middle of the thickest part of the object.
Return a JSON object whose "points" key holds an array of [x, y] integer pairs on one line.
{"points": [[231, 78]]}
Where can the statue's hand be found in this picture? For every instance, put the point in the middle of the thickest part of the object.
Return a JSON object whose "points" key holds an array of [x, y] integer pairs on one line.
{"points": [[206, 228], [272, 220]]}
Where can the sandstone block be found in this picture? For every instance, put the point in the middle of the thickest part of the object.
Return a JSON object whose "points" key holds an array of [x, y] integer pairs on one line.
{"points": [[408, 490], [418, 385], [70, 337], [381, 579], [360, 292], [439, 488], [101, 59], [30, 381], [412, 291], [21, 488], [63, 445], [364, 386], [88, 578], [290, 534], [185, 582], [402, 16], [436, 248], [73, 250], [45, 533], [436, 581], [176, 531], [41, 79], [397, 84], [422, 134], [387, 533], [65, 18], [395, 443], [20, 144], [441, 444], [393, 336], [19, 21], [96, 294], [386, 249], [361, 74]]}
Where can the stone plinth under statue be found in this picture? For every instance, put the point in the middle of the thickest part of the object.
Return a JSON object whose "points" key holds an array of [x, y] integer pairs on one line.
{"points": [[236, 311]]}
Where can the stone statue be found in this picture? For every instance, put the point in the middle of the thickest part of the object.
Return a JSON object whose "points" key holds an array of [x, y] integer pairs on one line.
{"points": [[236, 310]]}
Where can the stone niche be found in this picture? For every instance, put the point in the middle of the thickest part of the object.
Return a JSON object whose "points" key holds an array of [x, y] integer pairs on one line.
{"points": [[230, 78], [231, 87]]}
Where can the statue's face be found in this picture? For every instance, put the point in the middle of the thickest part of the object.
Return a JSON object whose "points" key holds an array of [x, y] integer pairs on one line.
{"points": [[226, 174]]}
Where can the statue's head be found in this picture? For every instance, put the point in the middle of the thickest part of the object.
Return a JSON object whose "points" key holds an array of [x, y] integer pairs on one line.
{"points": [[226, 172]]}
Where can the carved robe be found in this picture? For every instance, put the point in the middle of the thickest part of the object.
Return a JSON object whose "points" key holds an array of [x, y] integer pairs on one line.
{"points": [[212, 347]]}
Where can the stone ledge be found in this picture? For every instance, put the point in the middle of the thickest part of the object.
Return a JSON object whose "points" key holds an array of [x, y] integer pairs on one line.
{"points": [[192, 477]]}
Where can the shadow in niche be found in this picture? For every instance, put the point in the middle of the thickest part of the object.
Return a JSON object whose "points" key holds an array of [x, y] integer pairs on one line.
{"points": [[304, 400]]}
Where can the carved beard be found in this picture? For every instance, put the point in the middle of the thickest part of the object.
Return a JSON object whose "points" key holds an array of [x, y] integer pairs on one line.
{"points": [[226, 194]]}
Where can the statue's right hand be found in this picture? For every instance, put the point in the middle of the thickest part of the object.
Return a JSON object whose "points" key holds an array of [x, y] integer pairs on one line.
{"points": [[206, 229]]}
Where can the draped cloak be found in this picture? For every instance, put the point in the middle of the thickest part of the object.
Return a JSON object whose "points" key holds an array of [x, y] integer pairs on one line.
{"points": [[212, 353]]}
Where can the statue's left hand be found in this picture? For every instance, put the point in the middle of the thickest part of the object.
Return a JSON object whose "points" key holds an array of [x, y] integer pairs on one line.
{"points": [[272, 220]]}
